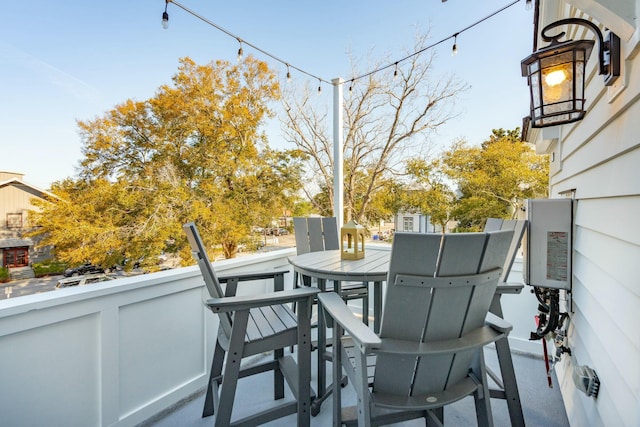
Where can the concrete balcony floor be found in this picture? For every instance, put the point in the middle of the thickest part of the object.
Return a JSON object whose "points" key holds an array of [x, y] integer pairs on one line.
{"points": [[542, 406]]}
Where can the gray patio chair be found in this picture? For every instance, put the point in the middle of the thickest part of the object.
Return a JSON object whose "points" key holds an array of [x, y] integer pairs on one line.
{"points": [[507, 387], [251, 325], [435, 324], [316, 234]]}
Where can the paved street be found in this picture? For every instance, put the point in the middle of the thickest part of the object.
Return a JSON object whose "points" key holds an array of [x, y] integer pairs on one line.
{"points": [[18, 288]]}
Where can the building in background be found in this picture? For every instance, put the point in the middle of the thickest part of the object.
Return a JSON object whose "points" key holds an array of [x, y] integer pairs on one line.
{"points": [[17, 251]]}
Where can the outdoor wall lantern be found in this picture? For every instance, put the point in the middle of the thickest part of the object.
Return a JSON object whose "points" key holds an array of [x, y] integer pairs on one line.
{"points": [[556, 73]]}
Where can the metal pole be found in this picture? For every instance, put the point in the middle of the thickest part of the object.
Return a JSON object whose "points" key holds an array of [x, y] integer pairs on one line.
{"points": [[338, 161]]}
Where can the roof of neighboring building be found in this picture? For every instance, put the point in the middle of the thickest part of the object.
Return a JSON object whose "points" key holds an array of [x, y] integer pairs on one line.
{"points": [[15, 243], [18, 181]]}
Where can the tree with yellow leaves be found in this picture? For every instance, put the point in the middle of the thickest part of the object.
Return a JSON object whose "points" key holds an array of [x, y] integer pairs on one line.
{"points": [[193, 152]]}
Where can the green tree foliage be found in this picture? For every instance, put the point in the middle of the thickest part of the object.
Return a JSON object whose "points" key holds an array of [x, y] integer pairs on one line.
{"points": [[193, 152], [493, 180], [387, 201], [431, 193], [470, 184]]}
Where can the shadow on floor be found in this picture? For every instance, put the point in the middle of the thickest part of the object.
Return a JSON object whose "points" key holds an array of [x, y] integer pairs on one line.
{"points": [[542, 406]]}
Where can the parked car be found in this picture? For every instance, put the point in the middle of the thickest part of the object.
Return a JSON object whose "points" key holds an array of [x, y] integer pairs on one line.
{"points": [[386, 234], [252, 245], [86, 268], [82, 280], [278, 231]]}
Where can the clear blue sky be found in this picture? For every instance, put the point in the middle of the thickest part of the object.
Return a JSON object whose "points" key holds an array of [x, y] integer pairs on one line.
{"points": [[75, 60]]}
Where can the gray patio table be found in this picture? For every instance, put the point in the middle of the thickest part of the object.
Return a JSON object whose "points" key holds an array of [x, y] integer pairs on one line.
{"points": [[328, 265]]}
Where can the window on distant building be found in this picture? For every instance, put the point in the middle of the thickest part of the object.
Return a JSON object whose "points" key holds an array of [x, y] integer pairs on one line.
{"points": [[14, 220], [407, 223]]}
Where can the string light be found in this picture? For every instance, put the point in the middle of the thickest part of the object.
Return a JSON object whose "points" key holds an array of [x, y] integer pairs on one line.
{"points": [[288, 74], [431, 46], [165, 21], [454, 50], [240, 51], [395, 72], [165, 16], [528, 5]]}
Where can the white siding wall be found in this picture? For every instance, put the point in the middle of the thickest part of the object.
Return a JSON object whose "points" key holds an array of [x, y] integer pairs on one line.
{"points": [[598, 159]]}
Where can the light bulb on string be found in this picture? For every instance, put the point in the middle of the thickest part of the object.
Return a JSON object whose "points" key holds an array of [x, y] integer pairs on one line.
{"points": [[288, 74], [165, 16], [165, 24], [240, 51], [528, 5]]}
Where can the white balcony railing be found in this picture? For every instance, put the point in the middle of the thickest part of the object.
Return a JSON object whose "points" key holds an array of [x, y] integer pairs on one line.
{"points": [[120, 352]]}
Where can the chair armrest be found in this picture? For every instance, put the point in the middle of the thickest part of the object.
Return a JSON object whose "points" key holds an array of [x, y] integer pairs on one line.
{"points": [[232, 281], [509, 288], [236, 303], [363, 337], [497, 323], [256, 275], [474, 339]]}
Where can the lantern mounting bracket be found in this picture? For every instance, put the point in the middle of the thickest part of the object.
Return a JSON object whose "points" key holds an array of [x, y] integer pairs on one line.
{"points": [[608, 50]]}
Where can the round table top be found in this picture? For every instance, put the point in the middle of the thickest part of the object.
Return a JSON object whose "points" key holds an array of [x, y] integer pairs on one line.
{"points": [[330, 266]]}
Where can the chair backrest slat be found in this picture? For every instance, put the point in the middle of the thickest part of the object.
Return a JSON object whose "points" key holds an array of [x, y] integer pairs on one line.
{"points": [[461, 253], [330, 232], [316, 240], [417, 254], [518, 226], [301, 232], [208, 273], [493, 224], [497, 250]]}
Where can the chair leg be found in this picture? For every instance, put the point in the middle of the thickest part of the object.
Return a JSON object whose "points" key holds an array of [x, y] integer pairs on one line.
{"points": [[278, 377], [481, 396], [365, 308], [304, 365], [361, 385], [434, 417], [337, 373], [512, 395], [216, 371], [232, 369]]}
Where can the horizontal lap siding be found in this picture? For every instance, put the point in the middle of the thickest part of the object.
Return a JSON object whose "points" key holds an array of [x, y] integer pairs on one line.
{"points": [[606, 310], [611, 179]]}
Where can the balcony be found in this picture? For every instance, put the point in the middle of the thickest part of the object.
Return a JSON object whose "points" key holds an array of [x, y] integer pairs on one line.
{"points": [[136, 351]]}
